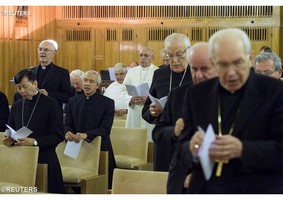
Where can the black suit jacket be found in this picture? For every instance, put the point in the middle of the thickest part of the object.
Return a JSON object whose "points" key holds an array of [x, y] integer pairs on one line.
{"points": [[160, 88], [56, 83], [46, 124], [259, 127], [4, 111], [93, 116]]}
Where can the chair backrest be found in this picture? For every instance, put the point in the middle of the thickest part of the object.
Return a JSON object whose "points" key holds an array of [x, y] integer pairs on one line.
{"points": [[130, 141], [139, 182], [88, 157], [119, 123], [123, 117], [2, 136], [18, 164]]}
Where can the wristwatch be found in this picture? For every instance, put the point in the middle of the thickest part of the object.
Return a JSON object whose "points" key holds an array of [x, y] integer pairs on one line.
{"points": [[35, 143]]}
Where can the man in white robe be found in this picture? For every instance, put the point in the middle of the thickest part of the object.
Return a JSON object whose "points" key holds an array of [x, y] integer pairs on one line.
{"points": [[117, 90], [136, 76]]}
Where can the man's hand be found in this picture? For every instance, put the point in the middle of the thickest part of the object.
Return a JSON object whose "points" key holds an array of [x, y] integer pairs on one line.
{"points": [[25, 142], [80, 136], [226, 147], [179, 126], [155, 110], [120, 112], [69, 136], [43, 91], [196, 142]]}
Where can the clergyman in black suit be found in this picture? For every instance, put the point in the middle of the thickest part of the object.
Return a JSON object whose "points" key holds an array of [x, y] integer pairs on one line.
{"points": [[53, 81], [164, 132], [170, 76], [89, 115], [246, 113]]}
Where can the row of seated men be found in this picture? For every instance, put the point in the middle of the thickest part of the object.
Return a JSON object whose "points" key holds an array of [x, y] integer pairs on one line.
{"points": [[187, 66]]}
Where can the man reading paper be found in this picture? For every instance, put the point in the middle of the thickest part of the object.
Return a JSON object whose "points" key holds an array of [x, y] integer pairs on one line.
{"points": [[246, 111], [42, 115]]}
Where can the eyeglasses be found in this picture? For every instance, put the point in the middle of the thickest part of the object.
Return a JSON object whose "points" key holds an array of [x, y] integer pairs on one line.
{"points": [[179, 54], [120, 74], [144, 55], [267, 73], [45, 50]]}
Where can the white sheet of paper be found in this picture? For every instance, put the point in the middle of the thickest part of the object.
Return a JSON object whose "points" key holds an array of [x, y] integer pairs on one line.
{"points": [[72, 149], [139, 90], [23, 132], [159, 102], [203, 153], [112, 73]]}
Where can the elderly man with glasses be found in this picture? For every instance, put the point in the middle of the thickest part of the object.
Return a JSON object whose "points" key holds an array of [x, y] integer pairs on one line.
{"points": [[117, 90], [53, 81], [268, 64], [165, 79]]}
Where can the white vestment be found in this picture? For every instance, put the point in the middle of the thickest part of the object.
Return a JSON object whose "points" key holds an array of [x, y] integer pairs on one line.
{"points": [[137, 76], [119, 94]]}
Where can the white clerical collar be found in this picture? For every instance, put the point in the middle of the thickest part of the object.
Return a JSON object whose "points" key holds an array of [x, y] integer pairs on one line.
{"points": [[43, 67]]}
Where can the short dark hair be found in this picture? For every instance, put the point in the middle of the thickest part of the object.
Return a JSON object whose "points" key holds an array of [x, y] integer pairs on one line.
{"points": [[24, 73], [266, 49]]}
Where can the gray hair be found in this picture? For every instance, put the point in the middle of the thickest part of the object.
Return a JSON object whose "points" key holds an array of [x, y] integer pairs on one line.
{"points": [[78, 72], [269, 56], [120, 66], [177, 37], [229, 34], [96, 73], [52, 42]]}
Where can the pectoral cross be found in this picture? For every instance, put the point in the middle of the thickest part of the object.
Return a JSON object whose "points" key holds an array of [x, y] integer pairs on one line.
{"points": [[220, 166]]}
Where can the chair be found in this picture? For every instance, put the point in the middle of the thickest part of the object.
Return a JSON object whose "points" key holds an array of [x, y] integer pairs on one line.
{"points": [[119, 123], [2, 136], [41, 181], [130, 148], [139, 182], [123, 117], [18, 166], [83, 172]]}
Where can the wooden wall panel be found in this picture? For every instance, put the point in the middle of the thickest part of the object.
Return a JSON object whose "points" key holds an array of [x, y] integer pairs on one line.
{"points": [[18, 44], [128, 53]]}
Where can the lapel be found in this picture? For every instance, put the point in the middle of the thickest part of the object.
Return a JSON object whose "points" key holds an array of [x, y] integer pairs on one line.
{"points": [[208, 106], [49, 75], [249, 104]]}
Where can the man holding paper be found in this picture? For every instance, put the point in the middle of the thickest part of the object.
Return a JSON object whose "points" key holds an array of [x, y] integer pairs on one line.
{"points": [[246, 111], [141, 74], [89, 115], [166, 133], [41, 115], [165, 79]]}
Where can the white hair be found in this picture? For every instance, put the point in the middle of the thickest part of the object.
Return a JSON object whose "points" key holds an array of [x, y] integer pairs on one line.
{"points": [[78, 72], [53, 42], [96, 73]]}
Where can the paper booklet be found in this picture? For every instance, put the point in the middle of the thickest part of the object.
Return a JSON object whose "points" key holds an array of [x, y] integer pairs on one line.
{"points": [[139, 90], [203, 153], [159, 102], [72, 149], [23, 132]]}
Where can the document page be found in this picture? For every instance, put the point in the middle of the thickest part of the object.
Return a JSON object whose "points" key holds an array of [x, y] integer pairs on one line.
{"points": [[140, 90], [203, 153], [159, 102], [72, 149]]}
